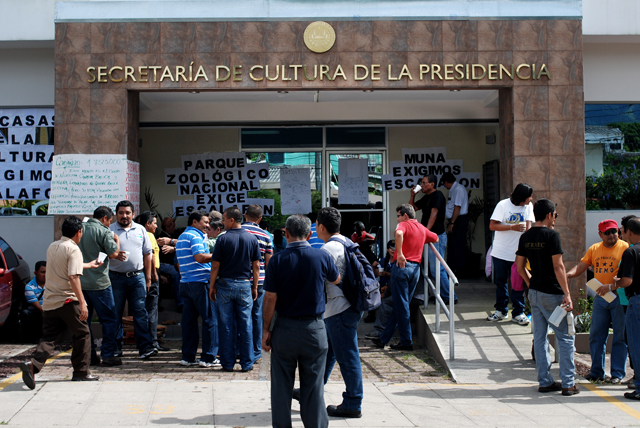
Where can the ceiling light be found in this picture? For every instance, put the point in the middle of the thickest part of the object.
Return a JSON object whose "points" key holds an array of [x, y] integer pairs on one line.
{"points": [[194, 92], [454, 90], [283, 92], [367, 90]]}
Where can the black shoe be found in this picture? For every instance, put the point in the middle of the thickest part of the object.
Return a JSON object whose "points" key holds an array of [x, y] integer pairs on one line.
{"points": [[340, 412], [246, 370], [296, 394], [635, 395], [378, 343], [118, 353], [571, 391], [432, 299], [28, 374], [95, 361], [162, 348], [555, 386], [85, 378], [148, 353], [227, 370], [399, 347], [592, 378], [111, 362]]}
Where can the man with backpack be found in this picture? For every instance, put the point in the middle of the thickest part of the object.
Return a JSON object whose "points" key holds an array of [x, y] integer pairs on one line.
{"points": [[341, 319], [410, 237]]}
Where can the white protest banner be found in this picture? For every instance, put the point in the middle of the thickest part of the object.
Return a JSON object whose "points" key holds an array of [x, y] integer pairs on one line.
{"points": [[25, 153], [183, 208], [227, 198], [81, 183], [132, 185], [295, 193], [266, 204], [353, 181], [417, 163]]}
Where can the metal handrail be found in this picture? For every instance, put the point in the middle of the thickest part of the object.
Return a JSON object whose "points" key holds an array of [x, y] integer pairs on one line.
{"points": [[453, 282]]}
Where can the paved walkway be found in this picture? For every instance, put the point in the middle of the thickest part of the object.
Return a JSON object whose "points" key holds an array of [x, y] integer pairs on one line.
{"points": [[493, 366]]}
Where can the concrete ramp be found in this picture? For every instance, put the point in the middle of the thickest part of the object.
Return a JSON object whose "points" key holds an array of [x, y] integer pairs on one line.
{"points": [[485, 352]]}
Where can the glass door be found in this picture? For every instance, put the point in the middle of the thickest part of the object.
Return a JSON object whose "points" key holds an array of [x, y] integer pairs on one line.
{"points": [[352, 184]]}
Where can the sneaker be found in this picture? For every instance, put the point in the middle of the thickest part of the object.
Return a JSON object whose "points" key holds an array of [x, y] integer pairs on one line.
{"points": [[615, 381], [521, 319], [210, 364], [631, 383], [497, 316], [186, 363], [375, 334], [571, 391], [148, 353]]}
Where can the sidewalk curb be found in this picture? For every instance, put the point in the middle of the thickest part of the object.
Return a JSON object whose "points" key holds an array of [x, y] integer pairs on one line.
{"points": [[18, 376]]}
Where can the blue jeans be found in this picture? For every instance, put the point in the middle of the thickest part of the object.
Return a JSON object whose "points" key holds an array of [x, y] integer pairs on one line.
{"points": [[403, 284], [501, 278], [104, 305], [151, 304], [256, 319], [235, 302], [633, 328], [133, 290], [382, 314], [167, 269], [301, 344], [342, 331], [542, 306], [605, 314], [444, 278], [195, 296]]}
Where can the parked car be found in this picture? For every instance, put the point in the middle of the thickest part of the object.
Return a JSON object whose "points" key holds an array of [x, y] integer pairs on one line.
{"points": [[14, 211], [14, 274]]}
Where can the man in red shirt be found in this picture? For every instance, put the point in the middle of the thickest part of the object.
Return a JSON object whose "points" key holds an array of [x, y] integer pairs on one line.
{"points": [[411, 236]]}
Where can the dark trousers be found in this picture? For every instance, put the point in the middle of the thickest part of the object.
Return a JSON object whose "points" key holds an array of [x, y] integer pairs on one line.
{"points": [[151, 303], [31, 324], [302, 344], [456, 256], [54, 323]]}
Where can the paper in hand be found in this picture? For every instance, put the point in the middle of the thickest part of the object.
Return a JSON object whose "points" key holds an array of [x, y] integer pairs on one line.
{"points": [[594, 284], [101, 257]]}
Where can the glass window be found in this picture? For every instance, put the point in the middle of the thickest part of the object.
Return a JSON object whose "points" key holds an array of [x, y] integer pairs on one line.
{"points": [[356, 137], [270, 187], [281, 138], [9, 255]]}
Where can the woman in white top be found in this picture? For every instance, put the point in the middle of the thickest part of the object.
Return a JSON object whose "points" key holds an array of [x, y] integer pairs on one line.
{"points": [[509, 220]]}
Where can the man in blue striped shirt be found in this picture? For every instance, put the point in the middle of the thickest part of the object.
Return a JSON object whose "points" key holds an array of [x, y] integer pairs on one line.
{"points": [[33, 292], [253, 216], [195, 271]]}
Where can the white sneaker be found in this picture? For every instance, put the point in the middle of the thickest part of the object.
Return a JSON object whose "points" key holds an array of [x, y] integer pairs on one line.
{"points": [[521, 319], [497, 316], [186, 363], [207, 365]]}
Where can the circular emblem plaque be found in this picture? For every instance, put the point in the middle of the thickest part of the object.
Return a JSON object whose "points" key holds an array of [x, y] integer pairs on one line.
{"points": [[319, 37]]}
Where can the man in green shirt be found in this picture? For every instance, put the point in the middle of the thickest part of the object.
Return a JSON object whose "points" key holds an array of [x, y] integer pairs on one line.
{"points": [[96, 286]]}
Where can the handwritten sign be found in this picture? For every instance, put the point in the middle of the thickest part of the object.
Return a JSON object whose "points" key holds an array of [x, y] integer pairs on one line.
{"points": [[295, 193], [81, 183], [354, 181]]}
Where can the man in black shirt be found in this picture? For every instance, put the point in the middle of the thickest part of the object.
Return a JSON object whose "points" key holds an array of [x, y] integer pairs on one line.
{"points": [[548, 288], [433, 205], [629, 279]]}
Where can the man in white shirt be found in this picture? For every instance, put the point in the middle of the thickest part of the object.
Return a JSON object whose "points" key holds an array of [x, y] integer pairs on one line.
{"points": [[456, 213]]}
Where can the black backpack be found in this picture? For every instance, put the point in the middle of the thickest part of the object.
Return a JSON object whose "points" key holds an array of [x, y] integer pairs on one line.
{"points": [[359, 284]]}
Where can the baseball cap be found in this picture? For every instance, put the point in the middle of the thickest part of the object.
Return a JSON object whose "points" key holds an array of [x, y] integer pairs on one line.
{"points": [[391, 244], [605, 225]]}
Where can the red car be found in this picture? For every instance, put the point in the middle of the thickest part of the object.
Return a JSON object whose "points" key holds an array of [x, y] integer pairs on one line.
{"points": [[14, 274]]}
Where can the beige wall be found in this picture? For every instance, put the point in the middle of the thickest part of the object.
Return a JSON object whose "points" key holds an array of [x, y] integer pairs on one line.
{"points": [[466, 142], [162, 148]]}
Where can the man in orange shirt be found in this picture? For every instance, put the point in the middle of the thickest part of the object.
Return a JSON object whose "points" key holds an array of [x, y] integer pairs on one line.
{"points": [[605, 258]]}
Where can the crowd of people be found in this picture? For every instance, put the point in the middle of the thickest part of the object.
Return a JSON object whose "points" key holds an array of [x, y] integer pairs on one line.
{"points": [[283, 293]]}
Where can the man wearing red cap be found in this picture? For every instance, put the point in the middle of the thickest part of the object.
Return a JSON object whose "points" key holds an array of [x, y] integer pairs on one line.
{"points": [[605, 258]]}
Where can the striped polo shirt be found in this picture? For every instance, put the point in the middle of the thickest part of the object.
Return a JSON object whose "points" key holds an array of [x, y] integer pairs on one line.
{"points": [[33, 292], [264, 243], [190, 243]]}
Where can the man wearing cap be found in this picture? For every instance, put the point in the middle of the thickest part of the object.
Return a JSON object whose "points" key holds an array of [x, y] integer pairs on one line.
{"points": [[605, 257]]}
